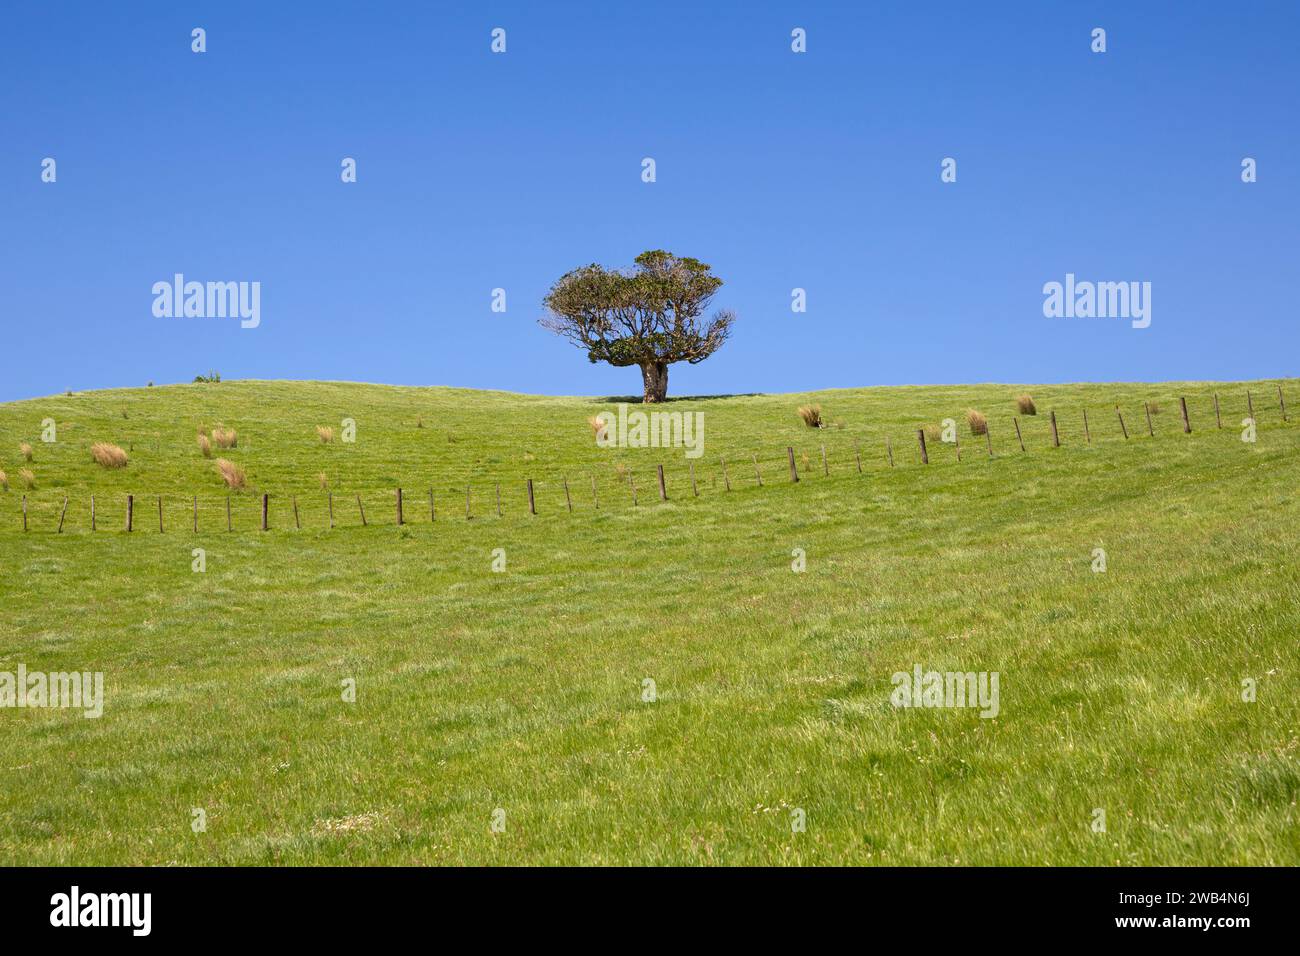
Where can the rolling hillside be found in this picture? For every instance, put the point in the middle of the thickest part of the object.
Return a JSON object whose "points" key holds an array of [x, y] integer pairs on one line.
{"points": [[654, 682]]}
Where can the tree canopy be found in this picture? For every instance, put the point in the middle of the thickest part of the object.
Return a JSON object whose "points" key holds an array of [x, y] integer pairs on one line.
{"points": [[650, 316]]}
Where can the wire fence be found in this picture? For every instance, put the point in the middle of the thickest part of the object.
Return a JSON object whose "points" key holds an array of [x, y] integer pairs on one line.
{"points": [[619, 488]]}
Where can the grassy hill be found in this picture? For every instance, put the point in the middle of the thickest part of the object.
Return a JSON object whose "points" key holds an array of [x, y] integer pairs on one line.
{"points": [[524, 689]]}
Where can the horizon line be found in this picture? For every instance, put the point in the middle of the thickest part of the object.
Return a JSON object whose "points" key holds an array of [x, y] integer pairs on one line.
{"points": [[637, 399]]}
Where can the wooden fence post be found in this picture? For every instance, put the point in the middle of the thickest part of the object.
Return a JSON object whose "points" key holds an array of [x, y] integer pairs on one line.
{"points": [[694, 490], [663, 489], [196, 514], [1150, 427], [794, 471], [1056, 437], [130, 511], [24, 512], [63, 514], [160, 520], [499, 500], [1087, 432], [567, 500], [399, 507], [331, 503], [725, 479], [296, 523], [595, 499], [920, 437], [1218, 419], [228, 525], [826, 469], [92, 512], [988, 438], [757, 475], [857, 455], [889, 450], [632, 484], [1120, 416], [1187, 425], [532, 504], [1250, 406], [1281, 401], [266, 509], [956, 440], [467, 514], [433, 513], [362, 509], [1015, 421]]}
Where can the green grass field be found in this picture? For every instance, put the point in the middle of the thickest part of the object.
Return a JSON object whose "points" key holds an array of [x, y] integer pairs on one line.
{"points": [[523, 689]]}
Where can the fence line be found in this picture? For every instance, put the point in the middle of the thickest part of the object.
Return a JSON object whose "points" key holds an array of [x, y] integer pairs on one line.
{"points": [[627, 476]]}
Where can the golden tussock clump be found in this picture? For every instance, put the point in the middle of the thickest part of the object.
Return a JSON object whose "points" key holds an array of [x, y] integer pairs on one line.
{"points": [[205, 445], [620, 471], [107, 455], [598, 428], [231, 473], [4, 480], [27, 478], [323, 480], [979, 425], [932, 433], [325, 433], [26, 450], [224, 437], [812, 416], [1025, 403]]}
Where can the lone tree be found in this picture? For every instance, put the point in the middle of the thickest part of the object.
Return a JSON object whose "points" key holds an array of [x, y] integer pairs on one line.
{"points": [[649, 316]]}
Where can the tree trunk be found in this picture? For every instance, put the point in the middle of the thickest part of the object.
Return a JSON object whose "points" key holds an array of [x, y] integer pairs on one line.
{"points": [[655, 377]]}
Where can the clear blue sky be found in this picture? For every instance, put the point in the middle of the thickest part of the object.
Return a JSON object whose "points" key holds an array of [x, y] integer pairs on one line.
{"points": [[477, 171]]}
